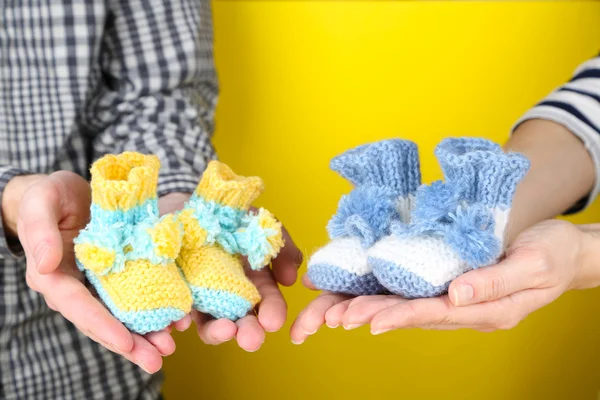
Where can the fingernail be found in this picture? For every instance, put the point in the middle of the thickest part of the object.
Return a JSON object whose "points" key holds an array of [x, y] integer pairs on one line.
{"points": [[40, 254], [297, 343], [462, 295], [309, 333], [379, 332], [183, 328], [333, 326], [351, 326]]}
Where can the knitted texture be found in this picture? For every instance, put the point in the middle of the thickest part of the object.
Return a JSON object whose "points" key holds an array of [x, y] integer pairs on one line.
{"points": [[386, 175], [219, 229], [126, 251], [457, 225]]}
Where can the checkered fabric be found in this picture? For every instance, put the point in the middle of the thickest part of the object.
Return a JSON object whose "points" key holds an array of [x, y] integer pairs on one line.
{"points": [[79, 79]]}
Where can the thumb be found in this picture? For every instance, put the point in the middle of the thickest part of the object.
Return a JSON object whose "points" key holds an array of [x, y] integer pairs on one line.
{"points": [[513, 274], [39, 215]]}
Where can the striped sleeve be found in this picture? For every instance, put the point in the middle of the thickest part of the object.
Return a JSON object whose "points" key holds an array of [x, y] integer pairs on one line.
{"points": [[576, 106]]}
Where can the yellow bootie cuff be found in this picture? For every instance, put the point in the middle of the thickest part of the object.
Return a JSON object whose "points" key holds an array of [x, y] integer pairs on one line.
{"points": [[121, 182], [220, 184]]}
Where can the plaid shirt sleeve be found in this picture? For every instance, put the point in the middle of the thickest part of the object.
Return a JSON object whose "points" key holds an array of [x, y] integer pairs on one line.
{"points": [[160, 88]]}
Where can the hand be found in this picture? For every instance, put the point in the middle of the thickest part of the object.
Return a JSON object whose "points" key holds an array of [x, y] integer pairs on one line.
{"points": [[50, 212], [541, 264], [271, 313], [327, 308]]}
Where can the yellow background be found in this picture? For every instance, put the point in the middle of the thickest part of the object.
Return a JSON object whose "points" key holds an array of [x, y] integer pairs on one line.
{"points": [[303, 81]]}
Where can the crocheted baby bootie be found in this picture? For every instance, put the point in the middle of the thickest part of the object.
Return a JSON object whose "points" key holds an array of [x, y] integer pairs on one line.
{"points": [[126, 251], [385, 174], [457, 225], [218, 229]]}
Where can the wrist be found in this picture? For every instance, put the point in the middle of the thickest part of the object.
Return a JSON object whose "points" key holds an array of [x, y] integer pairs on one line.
{"points": [[11, 198], [588, 267]]}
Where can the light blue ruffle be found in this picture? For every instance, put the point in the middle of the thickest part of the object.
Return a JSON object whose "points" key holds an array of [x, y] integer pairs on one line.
{"points": [[219, 221]]}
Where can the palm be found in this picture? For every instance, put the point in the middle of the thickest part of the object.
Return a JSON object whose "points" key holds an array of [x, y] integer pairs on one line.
{"points": [[271, 314], [538, 268], [52, 213], [74, 215]]}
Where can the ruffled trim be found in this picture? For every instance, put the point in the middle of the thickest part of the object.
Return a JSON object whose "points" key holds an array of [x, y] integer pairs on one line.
{"points": [[221, 185], [121, 182], [219, 222], [388, 163]]}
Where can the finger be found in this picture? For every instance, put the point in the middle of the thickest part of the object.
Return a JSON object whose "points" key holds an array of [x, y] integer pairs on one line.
{"points": [[454, 327], [145, 355], [39, 215], [335, 315], [250, 335], [272, 310], [285, 266], [308, 283], [75, 303], [162, 341], [31, 282], [313, 316], [213, 331], [515, 273], [361, 310], [183, 324], [440, 311]]}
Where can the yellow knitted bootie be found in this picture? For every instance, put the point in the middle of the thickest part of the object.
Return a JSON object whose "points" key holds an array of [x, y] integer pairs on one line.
{"points": [[126, 251], [218, 229]]}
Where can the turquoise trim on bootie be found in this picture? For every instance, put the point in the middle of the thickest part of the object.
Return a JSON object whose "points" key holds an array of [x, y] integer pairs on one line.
{"points": [[220, 303], [140, 322], [219, 221]]}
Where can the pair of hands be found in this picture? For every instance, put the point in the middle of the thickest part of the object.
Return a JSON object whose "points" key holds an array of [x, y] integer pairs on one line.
{"points": [[52, 211], [542, 263]]}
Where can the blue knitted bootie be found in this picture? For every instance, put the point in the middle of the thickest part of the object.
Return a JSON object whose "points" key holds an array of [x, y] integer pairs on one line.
{"points": [[386, 175], [457, 225]]}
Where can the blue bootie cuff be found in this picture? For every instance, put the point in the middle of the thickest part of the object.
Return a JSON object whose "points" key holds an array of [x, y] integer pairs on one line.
{"points": [[479, 172], [390, 163]]}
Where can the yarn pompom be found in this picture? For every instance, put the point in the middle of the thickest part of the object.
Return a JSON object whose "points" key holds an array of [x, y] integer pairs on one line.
{"points": [[365, 213], [472, 236], [260, 238], [105, 250], [436, 201]]}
